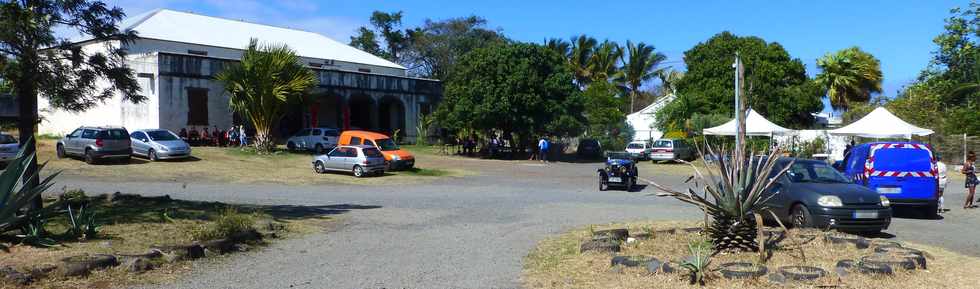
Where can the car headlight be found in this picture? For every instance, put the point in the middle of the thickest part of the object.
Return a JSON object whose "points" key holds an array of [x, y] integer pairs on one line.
{"points": [[163, 148], [884, 201], [829, 201], [395, 157]]}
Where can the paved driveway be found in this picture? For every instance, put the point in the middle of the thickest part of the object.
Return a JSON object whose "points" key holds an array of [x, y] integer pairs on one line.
{"points": [[467, 232]]}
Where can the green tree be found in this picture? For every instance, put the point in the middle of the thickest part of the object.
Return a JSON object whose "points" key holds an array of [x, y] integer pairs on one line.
{"points": [[388, 25], [606, 122], [267, 79], [603, 65], [640, 64], [849, 75], [522, 89], [436, 46], [580, 58], [776, 85], [559, 46], [37, 61]]}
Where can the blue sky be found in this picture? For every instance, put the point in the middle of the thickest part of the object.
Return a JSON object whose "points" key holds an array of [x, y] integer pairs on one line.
{"points": [[899, 33]]}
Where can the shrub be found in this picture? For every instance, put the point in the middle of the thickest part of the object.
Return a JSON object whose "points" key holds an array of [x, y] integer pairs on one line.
{"points": [[228, 223]]}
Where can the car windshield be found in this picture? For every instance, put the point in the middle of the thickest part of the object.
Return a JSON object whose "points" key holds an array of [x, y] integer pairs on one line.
{"points": [[386, 144], [814, 172], [372, 152], [663, 144], [635, 146], [618, 155], [161, 135], [7, 139], [113, 134]]}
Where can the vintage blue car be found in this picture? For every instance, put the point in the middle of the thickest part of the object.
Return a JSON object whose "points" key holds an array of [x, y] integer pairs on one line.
{"points": [[620, 170]]}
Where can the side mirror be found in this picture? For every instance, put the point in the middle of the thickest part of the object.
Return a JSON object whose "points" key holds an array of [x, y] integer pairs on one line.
{"points": [[68, 136]]}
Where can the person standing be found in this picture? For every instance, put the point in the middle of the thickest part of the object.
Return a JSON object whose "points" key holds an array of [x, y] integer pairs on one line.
{"points": [[970, 170], [941, 175], [242, 136], [232, 136], [543, 149]]}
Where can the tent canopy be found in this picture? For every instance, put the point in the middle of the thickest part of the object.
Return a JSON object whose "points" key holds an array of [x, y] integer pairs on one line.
{"points": [[881, 123], [755, 125]]}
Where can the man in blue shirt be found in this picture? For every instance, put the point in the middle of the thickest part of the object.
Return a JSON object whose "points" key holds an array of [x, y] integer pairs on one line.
{"points": [[543, 149]]}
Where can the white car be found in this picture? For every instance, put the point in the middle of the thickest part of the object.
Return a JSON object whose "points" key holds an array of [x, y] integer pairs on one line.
{"points": [[639, 150], [672, 149], [317, 139], [8, 148]]}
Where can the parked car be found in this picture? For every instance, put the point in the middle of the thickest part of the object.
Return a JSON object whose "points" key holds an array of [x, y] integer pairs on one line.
{"points": [[671, 149], [813, 194], [589, 149], [905, 172], [638, 150], [360, 160], [159, 144], [620, 170], [395, 157], [318, 139], [96, 143], [8, 148]]}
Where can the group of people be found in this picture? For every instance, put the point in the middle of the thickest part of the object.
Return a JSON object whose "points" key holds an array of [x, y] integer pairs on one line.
{"points": [[969, 169], [234, 136]]}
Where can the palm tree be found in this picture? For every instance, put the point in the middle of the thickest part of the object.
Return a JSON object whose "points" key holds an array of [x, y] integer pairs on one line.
{"points": [[669, 79], [559, 45], [641, 65], [604, 61], [267, 78], [580, 57], [849, 75]]}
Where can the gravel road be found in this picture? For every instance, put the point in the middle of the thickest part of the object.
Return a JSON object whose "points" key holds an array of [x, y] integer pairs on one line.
{"points": [[469, 232]]}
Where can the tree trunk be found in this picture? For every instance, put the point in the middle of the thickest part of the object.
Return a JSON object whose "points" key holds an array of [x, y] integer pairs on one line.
{"points": [[264, 143], [26, 124]]}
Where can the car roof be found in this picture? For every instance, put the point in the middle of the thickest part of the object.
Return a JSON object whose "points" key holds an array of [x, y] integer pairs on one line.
{"points": [[364, 134], [102, 127], [890, 142], [357, 146]]}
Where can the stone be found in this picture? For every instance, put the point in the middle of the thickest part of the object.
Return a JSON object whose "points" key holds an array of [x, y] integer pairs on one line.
{"points": [[666, 268], [179, 252], [841, 272], [618, 234], [777, 278], [13, 276], [600, 245], [81, 265], [642, 236], [653, 267], [630, 261], [138, 265], [630, 240], [41, 271]]}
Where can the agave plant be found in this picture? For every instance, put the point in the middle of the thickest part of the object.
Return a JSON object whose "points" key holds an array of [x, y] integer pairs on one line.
{"points": [[15, 197], [731, 196], [697, 264]]}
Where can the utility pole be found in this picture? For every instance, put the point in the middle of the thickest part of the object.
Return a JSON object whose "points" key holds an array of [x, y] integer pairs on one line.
{"points": [[739, 105]]}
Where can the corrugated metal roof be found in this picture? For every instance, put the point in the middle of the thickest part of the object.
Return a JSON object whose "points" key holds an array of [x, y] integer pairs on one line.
{"points": [[193, 28]]}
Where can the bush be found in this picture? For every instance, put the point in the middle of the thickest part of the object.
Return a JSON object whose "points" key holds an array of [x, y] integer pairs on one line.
{"points": [[228, 223]]}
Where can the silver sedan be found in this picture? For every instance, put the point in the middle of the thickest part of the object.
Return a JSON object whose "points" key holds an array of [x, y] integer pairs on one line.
{"points": [[159, 144], [361, 160]]}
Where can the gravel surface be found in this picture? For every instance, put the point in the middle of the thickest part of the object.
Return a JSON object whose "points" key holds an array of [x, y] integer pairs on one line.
{"points": [[469, 232]]}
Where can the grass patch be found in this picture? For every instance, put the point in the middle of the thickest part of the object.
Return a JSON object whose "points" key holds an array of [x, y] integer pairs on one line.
{"points": [[557, 263], [229, 165], [133, 224]]}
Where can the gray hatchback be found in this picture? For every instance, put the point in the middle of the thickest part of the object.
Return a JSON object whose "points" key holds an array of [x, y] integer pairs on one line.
{"points": [[361, 160], [96, 143]]}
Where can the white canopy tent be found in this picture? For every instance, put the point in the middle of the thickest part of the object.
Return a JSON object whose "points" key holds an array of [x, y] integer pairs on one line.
{"points": [[755, 125], [881, 123]]}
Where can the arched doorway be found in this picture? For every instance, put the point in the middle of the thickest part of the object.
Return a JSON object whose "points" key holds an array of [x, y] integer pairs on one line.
{"points": [[329, 112], [391, 115], [362, 112]]}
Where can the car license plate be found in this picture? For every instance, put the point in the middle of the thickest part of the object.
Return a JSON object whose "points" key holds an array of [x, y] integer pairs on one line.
{"points": [[615, 179], [865, 214], [889, 190]]}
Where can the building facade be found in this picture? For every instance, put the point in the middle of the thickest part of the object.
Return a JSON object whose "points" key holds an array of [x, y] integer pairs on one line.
{"points": [[178, 55]]}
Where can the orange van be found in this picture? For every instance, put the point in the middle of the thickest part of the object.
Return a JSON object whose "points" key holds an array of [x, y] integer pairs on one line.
{"points": [[396, 157]]}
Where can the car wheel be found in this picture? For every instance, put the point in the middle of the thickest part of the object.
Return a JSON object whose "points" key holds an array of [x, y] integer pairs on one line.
{"points": [[358, 171], [603, 185], [801, 217], [61, 151], [89, 157], [318, 167], [318, 149], [290, 146], [630, 184], [152, 155]]}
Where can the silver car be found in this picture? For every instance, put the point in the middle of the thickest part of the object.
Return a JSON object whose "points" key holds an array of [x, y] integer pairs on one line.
{"points": [[671, 149], [159, 144], [8, 148], [96, 143], [361, 160]]}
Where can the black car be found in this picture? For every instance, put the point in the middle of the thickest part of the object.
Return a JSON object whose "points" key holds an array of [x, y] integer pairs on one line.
{"points": [[620, 170], [589, 149], [814, 194]]}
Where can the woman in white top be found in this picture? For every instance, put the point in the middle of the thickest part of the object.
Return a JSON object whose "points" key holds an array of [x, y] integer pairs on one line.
{"points": [[941, 171]]}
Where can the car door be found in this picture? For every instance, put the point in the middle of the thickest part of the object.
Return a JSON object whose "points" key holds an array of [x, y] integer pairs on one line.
{"points": [[79, 144], [315, 137], [351, 159], [70, 142], [778, 195], [336, 159], [141, 144]]}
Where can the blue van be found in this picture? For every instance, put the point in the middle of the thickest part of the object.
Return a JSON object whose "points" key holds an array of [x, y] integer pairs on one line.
{"points": [[904, 172]]}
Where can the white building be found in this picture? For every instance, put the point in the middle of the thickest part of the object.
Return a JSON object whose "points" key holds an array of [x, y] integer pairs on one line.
{"points": [[644, 121], [178, 54]]}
